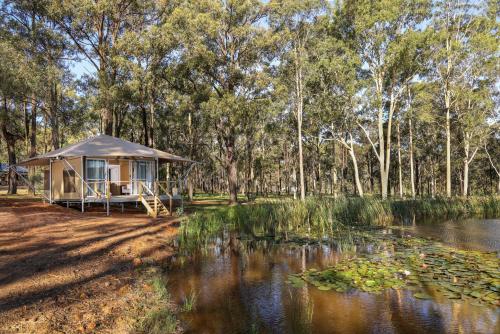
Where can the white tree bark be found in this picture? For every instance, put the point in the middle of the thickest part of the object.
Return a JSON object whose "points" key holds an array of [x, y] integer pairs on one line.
{"points": [[412, 173], [299, 113], [494, 167]]}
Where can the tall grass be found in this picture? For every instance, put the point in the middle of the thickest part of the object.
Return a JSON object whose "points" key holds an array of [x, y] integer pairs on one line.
{"points": [[161, 321], [448, 208], [160, 318], [330, 215]]}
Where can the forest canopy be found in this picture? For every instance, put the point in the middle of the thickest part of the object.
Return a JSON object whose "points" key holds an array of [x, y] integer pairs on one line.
{"points": [[305, 97]]}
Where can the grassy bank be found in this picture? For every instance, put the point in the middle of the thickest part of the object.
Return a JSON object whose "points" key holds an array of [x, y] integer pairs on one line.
{"points": [[158, 316], [327, 215]]}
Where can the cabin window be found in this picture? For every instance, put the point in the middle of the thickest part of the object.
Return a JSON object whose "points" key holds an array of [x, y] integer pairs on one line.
{"points": [[95, 176], [142, 171], [69, 181]]}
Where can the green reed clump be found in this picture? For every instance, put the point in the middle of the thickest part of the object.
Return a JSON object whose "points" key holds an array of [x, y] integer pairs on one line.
{"points": [[190, 302], [271, 218], [160, 321], [448, 207], [328, 215], [160, 317]]}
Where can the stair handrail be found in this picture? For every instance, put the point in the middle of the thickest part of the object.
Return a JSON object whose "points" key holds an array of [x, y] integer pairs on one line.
{"points": [[141, 184], [170, 198], [164, 189]]}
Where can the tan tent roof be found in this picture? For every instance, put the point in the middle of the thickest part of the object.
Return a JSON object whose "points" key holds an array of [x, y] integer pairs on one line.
{"points": [[103, 146]]}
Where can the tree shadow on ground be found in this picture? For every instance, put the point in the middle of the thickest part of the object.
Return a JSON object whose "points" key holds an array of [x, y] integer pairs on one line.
{"points": [[47, 251]]}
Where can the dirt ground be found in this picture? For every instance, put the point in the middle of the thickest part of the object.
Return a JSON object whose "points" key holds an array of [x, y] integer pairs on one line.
{"points": [[63, 271]]}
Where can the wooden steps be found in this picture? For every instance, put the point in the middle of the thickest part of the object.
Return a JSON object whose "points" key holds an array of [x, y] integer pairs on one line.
{"points": [[154, 206]]}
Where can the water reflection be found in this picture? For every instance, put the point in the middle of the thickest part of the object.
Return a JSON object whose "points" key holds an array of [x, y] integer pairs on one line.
{"points": [[241, 287], [469, 234]]}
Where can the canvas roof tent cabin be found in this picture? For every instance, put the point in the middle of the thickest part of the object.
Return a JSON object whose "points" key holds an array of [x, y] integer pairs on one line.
{"points": [[108, 170]]}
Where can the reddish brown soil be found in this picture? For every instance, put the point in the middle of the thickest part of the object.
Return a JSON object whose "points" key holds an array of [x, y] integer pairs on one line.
{"points": [[63, 271]]}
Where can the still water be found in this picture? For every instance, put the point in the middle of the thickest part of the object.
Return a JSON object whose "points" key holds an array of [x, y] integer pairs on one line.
{"points": [[240, 287]]}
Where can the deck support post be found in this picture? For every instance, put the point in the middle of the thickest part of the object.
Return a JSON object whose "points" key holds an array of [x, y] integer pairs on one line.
{"points": [[107, 197], [50, 181], [155, 193], [108, 189], [170, 205], [83, 192]]}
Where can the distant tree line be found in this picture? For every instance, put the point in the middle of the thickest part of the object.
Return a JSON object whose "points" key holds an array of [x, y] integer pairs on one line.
{"points": [[390, 97]]}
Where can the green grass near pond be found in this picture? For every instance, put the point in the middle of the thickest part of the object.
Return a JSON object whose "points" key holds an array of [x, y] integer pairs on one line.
{"points": [[327, 214]]}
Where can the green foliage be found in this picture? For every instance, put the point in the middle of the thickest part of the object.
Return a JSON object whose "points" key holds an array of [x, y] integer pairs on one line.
{"points": [[160, 287], [189, 303], [275, 218], [161, 321], [487, 206]]}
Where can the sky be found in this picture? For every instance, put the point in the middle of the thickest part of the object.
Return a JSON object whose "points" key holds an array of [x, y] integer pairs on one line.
{"points": [[81, 67]]}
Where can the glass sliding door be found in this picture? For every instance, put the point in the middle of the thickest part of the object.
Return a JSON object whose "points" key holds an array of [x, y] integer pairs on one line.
{"points": [[96, 176], [142, 171]]}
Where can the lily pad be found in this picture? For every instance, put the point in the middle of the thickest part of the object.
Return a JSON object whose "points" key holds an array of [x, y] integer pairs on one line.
{"points": [[421, 295]]}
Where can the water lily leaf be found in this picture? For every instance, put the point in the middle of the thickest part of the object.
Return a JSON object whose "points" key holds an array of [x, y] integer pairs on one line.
{"points": [[421, 295], [370, 283], [476, 294]]}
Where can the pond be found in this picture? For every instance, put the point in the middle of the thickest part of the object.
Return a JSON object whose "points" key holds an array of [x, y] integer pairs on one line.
{"points": [[242, 285]]}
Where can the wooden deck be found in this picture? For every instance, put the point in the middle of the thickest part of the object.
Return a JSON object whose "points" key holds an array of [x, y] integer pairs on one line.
{"points": [[116, 199]]}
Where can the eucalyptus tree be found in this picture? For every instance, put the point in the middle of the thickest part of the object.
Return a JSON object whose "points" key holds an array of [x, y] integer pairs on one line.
{"points": [[145, 52], [225, 43], [47, 52], [475, 105], [387, 39], [334, 87], [294, 20], [93, 28], [455, 25], [14, 76]]}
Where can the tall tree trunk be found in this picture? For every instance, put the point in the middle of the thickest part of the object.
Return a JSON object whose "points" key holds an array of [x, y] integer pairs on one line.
{"points": [[32, 153], [299, 106], [10, 141], [334, 172], [33, 127], [53, 117], [342, 172], [412, 173], [400, 171], [357, 181], [26, 128], [447, 102], [144, 118], [104, 100], [190, 133], [151, 142], [232, 171], [433, 181], [466, 168], [467, 160], [448, 154]]}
